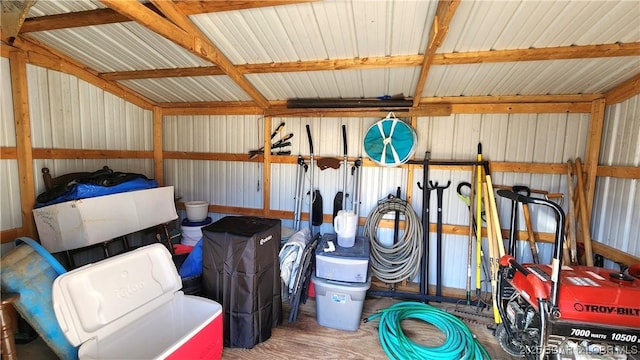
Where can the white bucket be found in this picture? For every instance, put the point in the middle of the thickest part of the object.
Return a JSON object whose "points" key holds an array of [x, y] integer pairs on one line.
{"points": [[191, 235], [196, 210]]}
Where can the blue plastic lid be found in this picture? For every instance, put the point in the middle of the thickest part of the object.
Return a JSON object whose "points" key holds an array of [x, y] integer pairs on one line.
{"points": [[204, 222]]}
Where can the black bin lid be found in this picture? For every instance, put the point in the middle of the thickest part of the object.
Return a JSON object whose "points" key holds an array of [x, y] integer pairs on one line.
{"points": [[241, 225]]}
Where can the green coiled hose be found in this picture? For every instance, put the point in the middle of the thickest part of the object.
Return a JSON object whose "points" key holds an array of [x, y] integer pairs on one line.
{"points": [[459, 344]]}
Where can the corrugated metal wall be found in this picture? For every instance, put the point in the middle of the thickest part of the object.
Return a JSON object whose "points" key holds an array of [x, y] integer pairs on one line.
{"points": [[616, 212], [10, 216], [219, 182], [69, 113]]}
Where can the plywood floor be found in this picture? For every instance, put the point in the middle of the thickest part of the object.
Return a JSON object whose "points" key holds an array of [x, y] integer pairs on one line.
{"points": [[305, 339]]}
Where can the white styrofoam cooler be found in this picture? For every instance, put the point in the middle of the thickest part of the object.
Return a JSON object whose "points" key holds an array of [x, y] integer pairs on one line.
{"points": [[79, 223], [130, 307]]}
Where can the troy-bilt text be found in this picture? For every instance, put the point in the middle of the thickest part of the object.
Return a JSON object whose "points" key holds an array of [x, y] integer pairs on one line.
{"points": [[607, 309]]}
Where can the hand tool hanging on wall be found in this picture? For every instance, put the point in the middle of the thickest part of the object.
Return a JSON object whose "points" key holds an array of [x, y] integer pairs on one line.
{"points": [[357, 180], [479, 255], [467, 201], [426, 200], [493, 210], [339, 201], [298, 199], [493, 253], [315, 203], [276, 145], [273, 134], [439, 194], [345, 160]]}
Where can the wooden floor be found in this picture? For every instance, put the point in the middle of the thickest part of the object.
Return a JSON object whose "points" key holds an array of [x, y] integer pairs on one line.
{"points": [[305, 339]]}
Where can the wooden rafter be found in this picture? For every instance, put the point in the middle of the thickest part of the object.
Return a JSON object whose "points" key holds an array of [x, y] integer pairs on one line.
{"points": [[536, 54], [199, 7], [74, 20], [444, 14], [624, 91], [195, 43], [555, 53], [109, 16]]}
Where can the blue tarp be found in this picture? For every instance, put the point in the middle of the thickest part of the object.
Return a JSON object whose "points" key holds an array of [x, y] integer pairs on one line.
{"points": [[87, 190]]}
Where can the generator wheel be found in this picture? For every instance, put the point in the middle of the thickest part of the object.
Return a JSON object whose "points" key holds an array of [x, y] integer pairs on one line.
{"points": [[510, 346]]}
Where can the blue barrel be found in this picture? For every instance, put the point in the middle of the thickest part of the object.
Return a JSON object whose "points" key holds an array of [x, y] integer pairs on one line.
{"points": [[29, 270]]}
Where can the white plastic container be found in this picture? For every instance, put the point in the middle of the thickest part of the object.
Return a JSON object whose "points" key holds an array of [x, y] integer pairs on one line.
{"points": [[130, 307], [349, 264], [192, 232], [79, 223], [339, 304], [197, 210]]}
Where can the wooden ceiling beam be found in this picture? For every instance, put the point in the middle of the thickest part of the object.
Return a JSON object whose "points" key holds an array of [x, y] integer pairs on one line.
{"points": [[200, 7], [537, 54], [556, 53], [75, 19], [624, 91], [162, 73], [548, 99], [294, 66], [193, 42], [444, 14], [109, 16]]}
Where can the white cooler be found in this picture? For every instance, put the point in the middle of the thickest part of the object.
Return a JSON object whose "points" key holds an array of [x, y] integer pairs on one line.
{"points": [[130, 307]]}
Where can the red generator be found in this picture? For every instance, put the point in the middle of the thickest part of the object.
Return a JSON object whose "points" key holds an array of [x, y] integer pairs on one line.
{"points": [[566, 312]]}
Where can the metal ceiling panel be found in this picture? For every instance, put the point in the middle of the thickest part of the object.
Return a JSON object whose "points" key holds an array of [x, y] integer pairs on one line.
{"points": [[320, 30], [337, 84], [188, 89], [579, 76], [45, 8], [499, 25], [119, 47]]}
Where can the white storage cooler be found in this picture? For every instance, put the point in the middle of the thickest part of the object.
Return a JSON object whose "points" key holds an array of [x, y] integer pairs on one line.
{"points": [[130, 307]]}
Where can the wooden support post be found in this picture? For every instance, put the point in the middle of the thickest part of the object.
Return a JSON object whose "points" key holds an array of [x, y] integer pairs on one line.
{"points": [[266, 167], [592, 152], [158, 160], [18, 64]]}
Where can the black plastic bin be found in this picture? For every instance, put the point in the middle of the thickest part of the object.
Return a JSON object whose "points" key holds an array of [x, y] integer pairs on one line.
{"points": [[241, 271]]}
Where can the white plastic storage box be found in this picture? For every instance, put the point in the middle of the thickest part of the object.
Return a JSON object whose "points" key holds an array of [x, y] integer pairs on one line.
{"points": [[350, 264], [339, 304], [79, 223], [130, 307]]}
